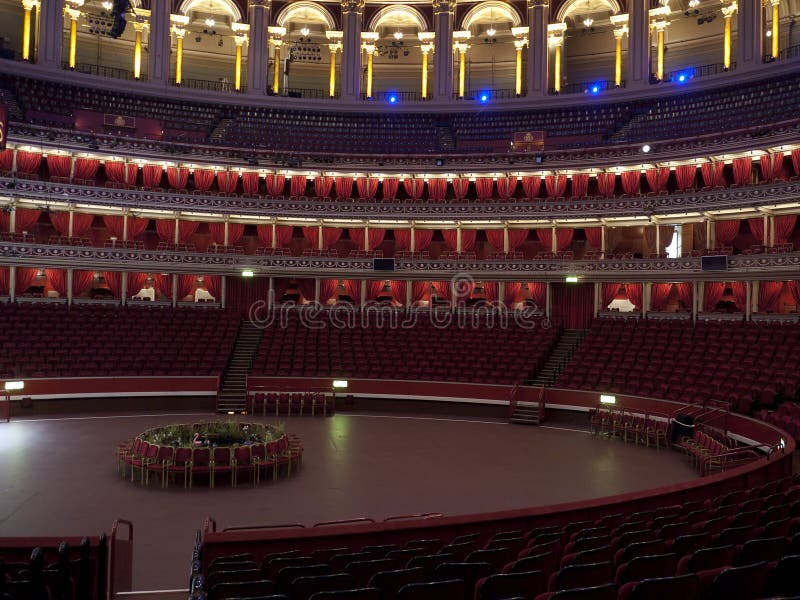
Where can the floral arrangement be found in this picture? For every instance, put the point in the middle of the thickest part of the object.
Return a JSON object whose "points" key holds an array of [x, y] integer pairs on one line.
{"points": [[215, 433]]}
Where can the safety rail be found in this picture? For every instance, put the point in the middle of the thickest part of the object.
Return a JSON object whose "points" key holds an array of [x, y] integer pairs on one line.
{"points": [[416, 516], [344, 522], [120, 575], [723, 460], [512, 400], [277, 526]]}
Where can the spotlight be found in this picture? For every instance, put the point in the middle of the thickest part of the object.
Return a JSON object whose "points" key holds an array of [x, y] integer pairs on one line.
{"points": [[305, 31], [392, 99], [484, 97], [398, 35], [594, 89], [210, 22], [646, 148], [769, 33], [491, 31]]}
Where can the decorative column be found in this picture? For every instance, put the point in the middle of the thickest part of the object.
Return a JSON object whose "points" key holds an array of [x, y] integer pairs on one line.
{"points": [[749, 40], [368, 39], [29, 6], [257, 46], [159, 43], [51, 33], [556, 42], [660, 27], [520, 41], [427, 44], [351, 49], [538, 18], [727, 12], [334, 47], [638, 44], [461, 46], [239, 40], [139, 27], [443, 18], [776, 28], [73, 14], [179, 32], [276, 39], [620, 23]]}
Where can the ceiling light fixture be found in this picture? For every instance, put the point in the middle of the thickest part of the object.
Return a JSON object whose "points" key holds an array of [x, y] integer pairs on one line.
{"points": [[305, 31], [693, 3], [398, 35], [107, 5], [491, 31], [587, 22], [210, 22]]}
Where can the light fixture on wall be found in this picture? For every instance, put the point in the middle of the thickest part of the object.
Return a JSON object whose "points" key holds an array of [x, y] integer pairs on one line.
{"points": [[305, 31], [491, 31], [398, 35], [588, 21], [210, 22]]}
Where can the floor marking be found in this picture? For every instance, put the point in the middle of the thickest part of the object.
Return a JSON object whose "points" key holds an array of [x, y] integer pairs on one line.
{"points": [[422, 419], [564, 429], [110, 417]]}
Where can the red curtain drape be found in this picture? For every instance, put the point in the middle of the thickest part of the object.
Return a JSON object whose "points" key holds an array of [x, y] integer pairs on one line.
{"points": [[213, 285], [390, 186], [178, 177], [765, 163], [726, 231], [344, 187], [217, 231], [399, 290], [460, 187], [712, 174], [496, 238], [769, 292], [512, 289], [659, 294], [151, 175], [353, 289], [483, 188], [86, 168], [468, 237], [506, 187], [275, 184], [81, 282], [186, 229], [204, 178], [6, 160], [422, 239], [136, 226], [235, 233], [555, 185], [630, 181], [297, 185], [115, 225], [162, 284], [330, 235], [264, 233], [327, 289], [756, 226], [367, 187], [784, 227], [606, 182], [323, 186], [227, 181], [437, 189], [794, 286], [450, 238], [311, 235], [414, 187], [136, 282], [28, 162], [537, 291], [5, 281], [402, 239], [357, 237], [418, 290], [742, 170], [684, 176], [516, 237], [58, 281], [59, 165], [25, 219], [250, 182], [81, 224], [739, 289], [374, 288], [165, 228], [685, 294], [635, 294], [545, 236], [609, 292], [186, 286], [375, 237], [712, 294], [796, 161], [564, 238], [443, 290], [283, 235], [580, 185], [60, 222], [657, 178], [23, 279], [115, 171], [491, 291], [114, 282], [531, 185], [594, 235]]}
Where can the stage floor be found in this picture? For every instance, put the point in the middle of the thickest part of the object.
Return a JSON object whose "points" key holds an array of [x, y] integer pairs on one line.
{"points": [[57, 477]]}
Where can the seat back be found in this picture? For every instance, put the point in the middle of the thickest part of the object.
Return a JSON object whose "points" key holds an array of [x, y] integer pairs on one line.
{"points": [[510, 585], [438, 590], [740, 583], [647, 567], [767, 549], [683, 587], [390, 582], [355, 594], [576, 576], [305, 587], [783, 580], [606, 591]]}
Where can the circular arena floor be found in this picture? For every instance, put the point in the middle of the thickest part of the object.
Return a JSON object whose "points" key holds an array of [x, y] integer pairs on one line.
{"points": [[57, 477]]}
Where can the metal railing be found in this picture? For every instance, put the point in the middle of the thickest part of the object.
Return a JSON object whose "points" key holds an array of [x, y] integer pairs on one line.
{"points": [[494, 94], [586, 87], [695, 72], [315, 94], [399, 97], [209, 85], [101, 71]]}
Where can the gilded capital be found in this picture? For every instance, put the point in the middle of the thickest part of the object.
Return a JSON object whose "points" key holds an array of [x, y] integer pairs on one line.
{"points": [[259, 3], [352, 6], [30, 4], [442, 6], [535, 3]]}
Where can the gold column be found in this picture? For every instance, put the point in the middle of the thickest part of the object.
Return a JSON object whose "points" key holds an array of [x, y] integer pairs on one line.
{"points": [[461, 48], [276, 61], [73, 15], [137, 50], [332, 75], [370, 50], [179, 33], [426, 50], [519, 45], [660, 26], [556, 41], [727, 12], [618, 33], [776, 28], [239, 40], [29, 6]]}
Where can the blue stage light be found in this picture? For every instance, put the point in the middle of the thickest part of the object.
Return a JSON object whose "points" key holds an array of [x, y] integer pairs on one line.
{"points": [[484, 97], [595, 89], [682, 78], [392, 99]]}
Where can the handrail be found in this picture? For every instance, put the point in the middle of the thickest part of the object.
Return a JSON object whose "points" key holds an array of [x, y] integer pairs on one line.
{"points": [[541, 403], [417, 516], [719, 460], [277, 526], [512, 400], [344, 522]]}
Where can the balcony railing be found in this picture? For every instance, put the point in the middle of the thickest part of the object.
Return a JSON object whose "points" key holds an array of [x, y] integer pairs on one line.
{"points": [[682, 75], [494, 94], [399, 97], [314, 94], [101, 71], [209, 85], [586, 87]]}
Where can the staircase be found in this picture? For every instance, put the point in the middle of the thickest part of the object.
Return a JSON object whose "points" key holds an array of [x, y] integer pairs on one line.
{"points": [[620, 136], [559, 357], [220, 130], [444, 137], [232, 391], [528, 413]]}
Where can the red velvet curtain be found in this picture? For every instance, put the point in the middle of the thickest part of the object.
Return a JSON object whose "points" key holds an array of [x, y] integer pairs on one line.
{"points": [[437, 189], [512, 289], [250, 183], [418, 290], [635, 294], [162, 284], [684, 175], [712, 295], [151, 175], [399, 290], [594, 235], [450, 238], [186, 229], [699, 233], [60, 222], [81, 282], [784, 227], [483, 188], [186, 286], [136, 226], [264, 235], [564, 238], [227, 181], [756, 226], [491, 291], [114, 282], [5, 281], [402, 239], [545, 236], [606, 182], [375, 237], [460, 187], [59, 165], [422, 239], [275, 184], [6, 160], [323, 186], [344, 187], [115, 171], [23, 279], [374, 288], [203, 179], [213, 285], [443, 290], [311, 235], [794, 286], [28, 162], [537, 291], [769, 292], [517, 237], [115, 225], [353, 289], [330, 235], [217, 231], [81, 224], [506, 187], [390, 186], [630, 181], [327, 289], [580, 185], [367, 187], [765, 163], [742, 170], [685, 294], [357, 237], [726, 231], [165, 228], [297, 185], [178, 177], [283, 235], [136, 282], [235, 233], [657, 178], [58, 281], [712, 174], [610, 291], [796, 161], [739, 289], [659, 294], [555, 185], [25, 219], [413, 188], [496, 238], [531, 185], [468, 237]]}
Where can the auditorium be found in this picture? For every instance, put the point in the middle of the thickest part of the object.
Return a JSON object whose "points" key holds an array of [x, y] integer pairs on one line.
{"points": [[399, 299]]}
